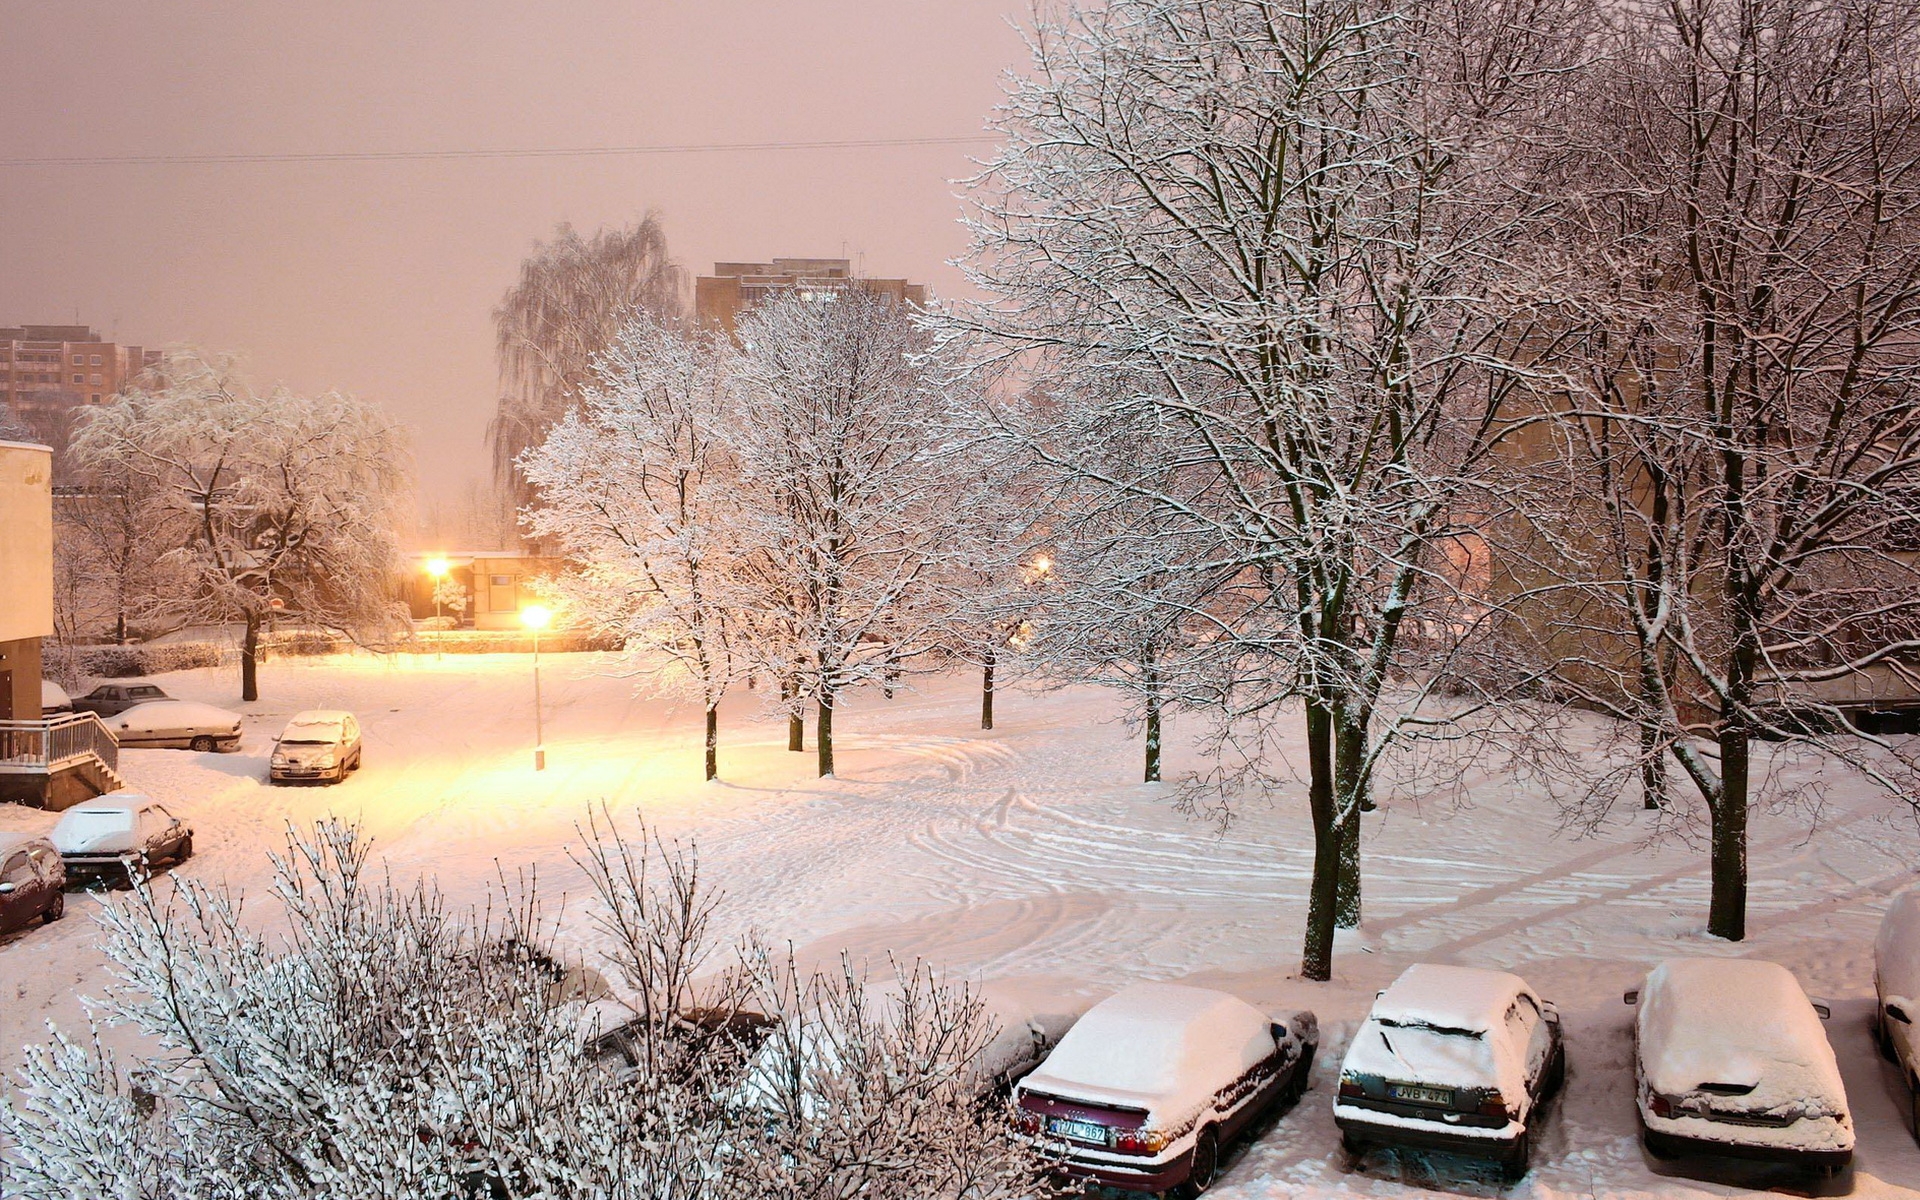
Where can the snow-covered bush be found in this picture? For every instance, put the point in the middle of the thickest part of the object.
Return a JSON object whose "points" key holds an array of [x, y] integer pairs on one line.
{"points": [[120, 662], [388, 1044]]}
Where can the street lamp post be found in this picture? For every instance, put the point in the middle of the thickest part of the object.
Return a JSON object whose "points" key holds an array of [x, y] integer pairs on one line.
{"points": [[438, 568], [536, 618]]}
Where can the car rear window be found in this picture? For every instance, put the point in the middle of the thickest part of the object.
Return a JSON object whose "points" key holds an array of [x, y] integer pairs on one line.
{"points": [[145, 691], [1428, 1052]]}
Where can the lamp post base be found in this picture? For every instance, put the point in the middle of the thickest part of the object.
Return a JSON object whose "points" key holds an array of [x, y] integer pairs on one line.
{"points": [[539, 758]]}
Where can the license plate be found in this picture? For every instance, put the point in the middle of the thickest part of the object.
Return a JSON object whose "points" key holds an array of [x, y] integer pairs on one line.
{"points": [[1079, 1131], [1420, 1095]]}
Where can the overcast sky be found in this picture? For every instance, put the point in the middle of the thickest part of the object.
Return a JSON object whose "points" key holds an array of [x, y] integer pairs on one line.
{"points": [[379, 277]]}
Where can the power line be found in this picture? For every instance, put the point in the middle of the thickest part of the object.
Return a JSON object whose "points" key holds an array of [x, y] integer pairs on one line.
{"points": [[168, 160]]}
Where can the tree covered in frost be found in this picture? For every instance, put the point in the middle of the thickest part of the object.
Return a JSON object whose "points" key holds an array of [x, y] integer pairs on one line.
{"points": [[389, 1046], [1291, 240], [277, 505], [853, 493], [1742, 183], [636, 488]]}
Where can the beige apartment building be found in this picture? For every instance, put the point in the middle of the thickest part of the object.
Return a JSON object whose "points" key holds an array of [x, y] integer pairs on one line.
{"points": [[722, 298], [50, 372]]}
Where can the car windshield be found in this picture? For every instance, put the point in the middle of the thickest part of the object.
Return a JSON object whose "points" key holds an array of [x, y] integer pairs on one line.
{"points": [[310, 735], [100, 819]]}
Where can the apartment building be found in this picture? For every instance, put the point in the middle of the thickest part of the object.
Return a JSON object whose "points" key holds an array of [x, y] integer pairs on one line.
{"points": [[722, 298], [49, 372]]}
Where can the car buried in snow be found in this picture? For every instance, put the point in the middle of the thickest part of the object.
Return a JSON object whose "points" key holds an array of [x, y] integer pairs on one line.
{"points": [[1451, 1058], [317, 746], [1896, 986], [31, 879], [1153, 1083], [1730, 1059], [176, 725], [119, 834]]}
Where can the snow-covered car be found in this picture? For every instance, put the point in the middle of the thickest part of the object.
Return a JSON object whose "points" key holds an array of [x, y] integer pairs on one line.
{"points": [[1896, 986], [1145, 1091], [31, 879], [112, 699], [177, 724], [1730, 1059], [320, 744], [118, 834], [54, 699], [1452, 1058]]}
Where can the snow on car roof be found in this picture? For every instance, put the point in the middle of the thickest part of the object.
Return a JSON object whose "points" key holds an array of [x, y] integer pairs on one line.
{"points": [[1470, 999], [319, 716], [10, 842], [1897, 948], [1156, 1041], [111, 802], [1737, 1022]]}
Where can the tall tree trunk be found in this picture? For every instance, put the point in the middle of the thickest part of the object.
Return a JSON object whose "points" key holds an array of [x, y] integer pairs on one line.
{"points": [[1316, 958], [1350, 789], [1727, 915], [986, 691], [796, 723], [250, 659], [824, 736], [1653, 751], [713, 741], [1153, 738]]}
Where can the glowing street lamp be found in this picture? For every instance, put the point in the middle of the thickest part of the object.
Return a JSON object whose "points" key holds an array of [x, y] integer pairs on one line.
{"points": [[537, 617], [437, 568]]}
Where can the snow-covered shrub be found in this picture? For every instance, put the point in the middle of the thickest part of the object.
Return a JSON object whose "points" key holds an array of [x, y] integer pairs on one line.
{"points": [[120, 662], [389, 1045]]}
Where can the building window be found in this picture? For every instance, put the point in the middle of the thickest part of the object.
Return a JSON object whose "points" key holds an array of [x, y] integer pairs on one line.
{"points": [[96, 381], [93, 360], [79, 379], [79, 360], [94, 399]]}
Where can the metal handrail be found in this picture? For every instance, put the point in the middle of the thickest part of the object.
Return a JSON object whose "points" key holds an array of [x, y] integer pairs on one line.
{"points": [[53, 741]]}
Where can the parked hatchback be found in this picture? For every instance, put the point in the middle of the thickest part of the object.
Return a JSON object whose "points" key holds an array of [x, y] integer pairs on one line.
{"points": [[1452, 1058], [318, 745], [112, 699], [1730, 1059], [1148, 1088], [177, 725], [31, 879], [1896, 986], [120, 833]]}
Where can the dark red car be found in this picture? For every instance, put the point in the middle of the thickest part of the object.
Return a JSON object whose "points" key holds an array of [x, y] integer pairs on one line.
{"points": [[32, 879]]}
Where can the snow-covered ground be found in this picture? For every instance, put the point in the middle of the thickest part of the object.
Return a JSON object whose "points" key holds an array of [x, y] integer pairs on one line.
{"points": [[1029, 855]]}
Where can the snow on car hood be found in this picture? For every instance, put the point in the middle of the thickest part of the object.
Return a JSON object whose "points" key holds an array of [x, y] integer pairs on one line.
{"points": [[1162, 1047], [300, 754], [94, 831], [1742, 1024]]}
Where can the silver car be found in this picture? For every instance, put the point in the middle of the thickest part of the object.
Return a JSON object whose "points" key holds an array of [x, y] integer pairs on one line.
{"points": [[178, 725], [320, 745]]}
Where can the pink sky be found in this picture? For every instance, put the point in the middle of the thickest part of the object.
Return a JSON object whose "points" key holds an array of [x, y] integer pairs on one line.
{"points": [[379, 277]]}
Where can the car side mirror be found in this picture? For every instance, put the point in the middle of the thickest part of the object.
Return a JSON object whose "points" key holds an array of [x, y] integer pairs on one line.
{"points": [[1279, 1029], [1823, 1009], [1895, 1010], [5, 888], [1632, 996]]}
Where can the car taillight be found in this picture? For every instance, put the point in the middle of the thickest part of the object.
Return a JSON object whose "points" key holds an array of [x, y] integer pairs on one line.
{"points": [[1492, 1104], [1349, 1086], [1661, 1106], [1028, 1119], [1139, 1141]]}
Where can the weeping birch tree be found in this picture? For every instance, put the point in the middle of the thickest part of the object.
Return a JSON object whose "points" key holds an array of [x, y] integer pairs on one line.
{"points": [[573, 297], [1294, 240]]}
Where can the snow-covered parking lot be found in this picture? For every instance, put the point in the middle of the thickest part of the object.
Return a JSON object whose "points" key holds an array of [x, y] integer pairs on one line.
{"points": [[1030, 856]]}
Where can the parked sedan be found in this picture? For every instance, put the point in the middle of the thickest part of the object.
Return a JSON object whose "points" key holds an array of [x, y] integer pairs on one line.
{"points": [[1146, 1090], [1730, 1059], [112, 699], [120, 833], [1452, 1058], [54, 699], [1896, 985], [177, 724], [31, 879], [318, 745]]}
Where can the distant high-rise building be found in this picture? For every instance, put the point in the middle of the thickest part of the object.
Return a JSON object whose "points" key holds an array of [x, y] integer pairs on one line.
{"points": [[722, 298], [48, 372]]}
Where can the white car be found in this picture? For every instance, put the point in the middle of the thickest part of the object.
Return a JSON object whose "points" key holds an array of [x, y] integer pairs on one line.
{"points": [[1452, 1058], [54, 699], [1896, 986], [177, 724], [1145, 1091], [118, 834], [1730, 1059], [319, 744]]}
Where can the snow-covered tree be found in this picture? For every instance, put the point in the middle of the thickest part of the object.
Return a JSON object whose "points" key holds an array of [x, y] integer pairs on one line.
{"points": [[1289, 240], [1744, 195], [633, 486], [387, 1045], [573, 297], [280, 504], [852, 492]]}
